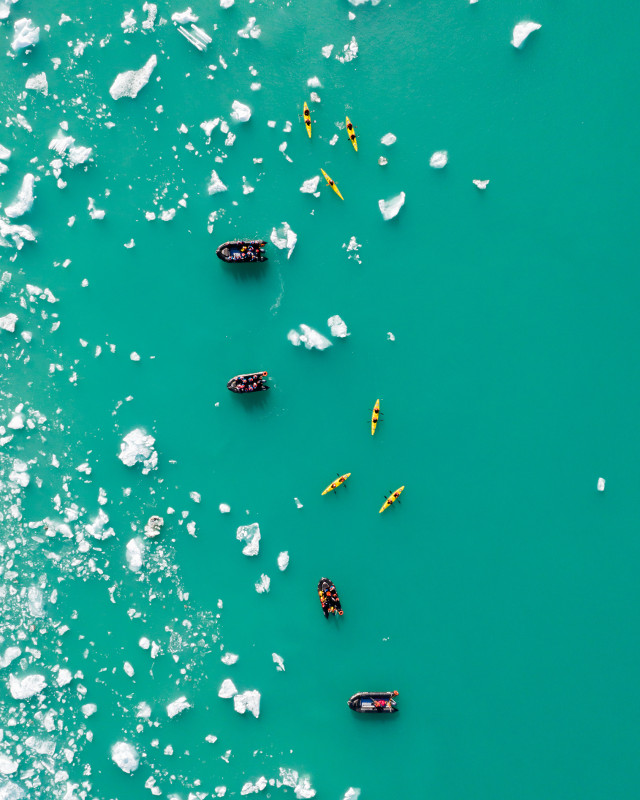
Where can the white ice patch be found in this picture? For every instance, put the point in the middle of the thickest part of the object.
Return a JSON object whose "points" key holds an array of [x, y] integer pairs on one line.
{"points": [[95, 213], [520, 33], [390, 208], [263, 584], [283, 560], [309, 337], [439, 159], [314, 82], [601, 484], [389, 139], [251, 535], [250, 30], [10, 654], [362, 2], [128, 24], [248, 701], [38, 83], [278, 661], [351, 793], [128, 84], [135, 554], [349, 51], [240, 112], [5, 8], [7, 767], [223, 508], [23, 688], [98, 526], [338, 327], [310, 186], [229, 659], [25, 34], [178, 706], [137, 448], [481, 184], [226, 3], [227, 689], [125, 756], [88, 709], [8, 322], [23, 200], [5, 153], [215, 184], [327, 50], [284, 238], [182, 17]]}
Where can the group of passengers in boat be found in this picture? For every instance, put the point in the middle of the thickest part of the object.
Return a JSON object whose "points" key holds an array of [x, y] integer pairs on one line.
{"points": [[331, 601], [249, 252], [250, 383]]}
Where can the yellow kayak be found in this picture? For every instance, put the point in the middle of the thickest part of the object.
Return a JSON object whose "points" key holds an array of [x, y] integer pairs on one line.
{"points": [[338, 482], [332, 184], [307, 119], [391, 499], [375, 416], [352, 134]]}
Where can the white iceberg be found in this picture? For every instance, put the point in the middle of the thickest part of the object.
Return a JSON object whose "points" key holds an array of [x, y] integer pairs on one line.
{"points": [[389, 139], [5, 153], [227, 689], [283, 560], [284, 238], [309, 337], [390, 208], [137, 448], [23, 200], [338, 327], [263, 584], [481, 184], [128, 84], [362, 2], [215, 184], [125, 756], [240, 112], [327, 50], [250, 30], [248, 701], [601, 484], [314, 82], [38, 83], [310, 186], [351, 793], [223, 508], [23, 688], [251, 535], [95, 213], [349, 51], [439, 159], [134, 554], [229, 659], [25, 34], [177, 707], [521, 31], [8, 322], [182, 17], [278, 661], [226, 3]]}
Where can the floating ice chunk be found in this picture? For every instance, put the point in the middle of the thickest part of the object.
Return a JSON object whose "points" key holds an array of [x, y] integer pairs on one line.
{"points": [[481, 184], [135, 554], [133, 355], [521, 31], [23, 688], [309, 337], [209, 125], [297, 502], [152, 13], [64, 677], [38, 83], [439, 159], [10, 654], [326, 50], [310, 186], [227, 689], [97, 527], [223, 508], [182, 17], [19, 473], [383, 161], [128, 24], [178, 706], [314, 97], [226, 3], [23, 200], [284, 238], [136, 448], [294, 337], [251, 535], [250, 29], [601, 483], [314, 82], [18, 233], [263, 584], [8, 322], [362, 2], [254, 788], [125, 756], [351, 793], [128, 84], [5, 153], [95, 213], [278, 661], [349, 51], [128, 668], [229, 659], [25, 34], [248, 701], [390, 208], [283, 560], [389, 139], [390, 337], [211, 738], [304, 790], [215, 184], [5, 9], [88, 709], [240, 112], [7, 767], [338, 327]]}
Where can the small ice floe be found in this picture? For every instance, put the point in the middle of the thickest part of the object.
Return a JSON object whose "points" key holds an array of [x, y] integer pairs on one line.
{"points": [[250, 30], [137, 448], [23, 200], [5, 153], [23, 688], [152, 13], [310, 186], [283, 560], [314, 82], [128, 668], [284, 238], [182, 17], [251, 535], [252, 788], [177, 707], [309, 337], [327, 50], [9, 767], [10, 654], [481, 184], [351, 793], [264, 584], [211, 738], [390, 337], [601, 483], [227, 689], [439, 159], [196, 36], [362, 2], [296, 500], [521, 32], [383, 161], [5, 8], [240, 112], [215, 184], [25, 34], [349, 51], [338, 327], [89, 709], [229, 659], [389, 139], [98, 529], [134, 554], [38, 83], [128, 84], [95, 213], [128, 24], [223, 508], [390, 208], [226, 3], [278, 661], [352, 249], [248, 701], [8, 322], [19, 234], [125, 756]]}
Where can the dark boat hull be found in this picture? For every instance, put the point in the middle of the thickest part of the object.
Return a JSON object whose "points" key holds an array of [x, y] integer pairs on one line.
{"points": [[240, 384], [242, 251], [329, 603], [373, 702]]}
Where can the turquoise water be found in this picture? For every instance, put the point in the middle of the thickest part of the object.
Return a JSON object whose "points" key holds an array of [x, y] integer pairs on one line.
{"points": [[500, 597]]}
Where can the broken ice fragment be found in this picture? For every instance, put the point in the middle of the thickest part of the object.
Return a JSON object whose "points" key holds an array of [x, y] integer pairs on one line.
{"points": [[137, 447], [390, 208], [388, 139], [184, 16], [23, 688], [481, 184], [283, 560], [249, 700], [134, 554], [240, 112], [128, 84], [250, 29], [263, 584], [229, 659], [223, 508], [284, 238], [439, 159], [25, 34], [215, 184], [251, 535], [227, 689], [8, 322], [601, 483], [349, 51], [177, 707], [23, 200], [38, 83], [338, 327], [154, 526], [125, 756], [278, 661], [311, 338], [310, 186], [521, 31]]}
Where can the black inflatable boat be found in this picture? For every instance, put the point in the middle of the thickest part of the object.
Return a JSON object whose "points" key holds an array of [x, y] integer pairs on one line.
{"points": [[373, 702], [242, 251], [329, 597], [251, 382]]}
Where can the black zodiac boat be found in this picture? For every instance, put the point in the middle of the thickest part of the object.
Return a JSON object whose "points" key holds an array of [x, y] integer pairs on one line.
{"points": [[242, 251], [373, 702], [329, 598], [251, 382]]}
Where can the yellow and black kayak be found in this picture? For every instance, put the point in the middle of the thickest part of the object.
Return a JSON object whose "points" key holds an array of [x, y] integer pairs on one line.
{"points": [[352, 135], [338, 482], [332, 184], [391, 499], [306, 115], [375, 416]]}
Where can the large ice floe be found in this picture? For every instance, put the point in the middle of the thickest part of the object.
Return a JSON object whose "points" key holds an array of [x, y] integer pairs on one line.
{"points": [[38, 83], [25, 34], [240, 112], [134, 554], [251, 535], [27, 686], [248, 701], [215, 184], [128, 84], [522, 31], [284, 238], [137, 448], [23, 200], [125, 756], [390, 208], [309, 337]]}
